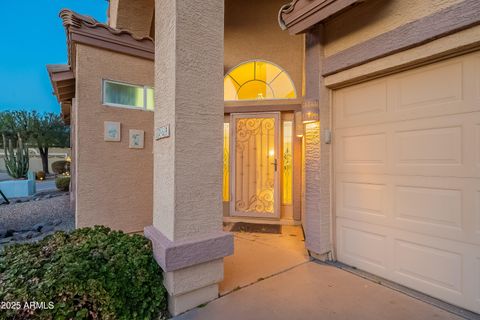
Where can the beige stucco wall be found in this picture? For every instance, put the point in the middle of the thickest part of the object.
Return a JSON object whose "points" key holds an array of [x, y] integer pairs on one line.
{"points": [[375, 17], [112, 13], [114, 183], [135, 16], [252, 32]]}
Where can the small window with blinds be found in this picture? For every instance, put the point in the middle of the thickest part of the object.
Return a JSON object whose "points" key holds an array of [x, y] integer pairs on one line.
{"points": [[123, 95]]}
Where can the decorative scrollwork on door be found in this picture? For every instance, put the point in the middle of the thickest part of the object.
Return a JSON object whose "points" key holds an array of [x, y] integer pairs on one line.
{"points": [[254, 170]]}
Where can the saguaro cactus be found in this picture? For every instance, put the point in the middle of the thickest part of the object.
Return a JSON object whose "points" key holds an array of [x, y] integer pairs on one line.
{"points": [[16, 160]]}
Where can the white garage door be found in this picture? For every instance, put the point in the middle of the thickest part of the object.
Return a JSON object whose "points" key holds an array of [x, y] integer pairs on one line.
{"points": [[407, 178]]}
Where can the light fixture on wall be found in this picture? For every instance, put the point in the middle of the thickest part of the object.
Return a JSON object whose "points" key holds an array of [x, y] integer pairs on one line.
{"points": [[298, 124], [310, 111]]}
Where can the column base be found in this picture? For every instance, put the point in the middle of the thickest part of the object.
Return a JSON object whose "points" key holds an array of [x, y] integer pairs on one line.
{"points": [[176, 255], [182, 303], [190, 287], [192, 269]]}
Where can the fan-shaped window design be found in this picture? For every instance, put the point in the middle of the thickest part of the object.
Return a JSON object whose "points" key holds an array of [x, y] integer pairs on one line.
{"points": [[256, 80]]}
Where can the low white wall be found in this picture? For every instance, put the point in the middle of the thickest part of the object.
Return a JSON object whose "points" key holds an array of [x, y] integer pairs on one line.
{"points": [[54, 154]]}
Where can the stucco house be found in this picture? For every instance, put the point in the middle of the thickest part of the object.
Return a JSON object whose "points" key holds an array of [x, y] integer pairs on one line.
{"points": [[358, 119]]}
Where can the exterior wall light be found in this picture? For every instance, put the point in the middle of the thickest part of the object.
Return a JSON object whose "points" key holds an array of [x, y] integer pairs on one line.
{"points": [[310, 111], [298, 124]]}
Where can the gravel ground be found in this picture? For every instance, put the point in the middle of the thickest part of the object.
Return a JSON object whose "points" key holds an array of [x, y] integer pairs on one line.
{"points": [[23, 216]]}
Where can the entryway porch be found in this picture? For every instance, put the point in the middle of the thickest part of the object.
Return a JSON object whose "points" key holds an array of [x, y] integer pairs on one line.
{"points": [[261, 255]]}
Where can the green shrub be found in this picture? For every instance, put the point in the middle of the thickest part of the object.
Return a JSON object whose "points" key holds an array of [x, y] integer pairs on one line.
{"points": [[63, 183], [91, 273], [61, 166]]}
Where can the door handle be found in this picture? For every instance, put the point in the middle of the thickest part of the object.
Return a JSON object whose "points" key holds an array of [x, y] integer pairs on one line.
{"points": [[275, 164]]}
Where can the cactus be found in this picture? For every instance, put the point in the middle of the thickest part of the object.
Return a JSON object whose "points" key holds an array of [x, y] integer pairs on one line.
{"points": [[16, 160]]}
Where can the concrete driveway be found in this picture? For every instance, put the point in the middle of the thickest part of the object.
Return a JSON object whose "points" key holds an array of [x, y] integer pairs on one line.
{"points": [[317, 291]]}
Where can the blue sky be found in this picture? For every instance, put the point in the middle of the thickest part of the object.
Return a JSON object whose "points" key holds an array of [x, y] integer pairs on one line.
{"points": [[33, 37]]}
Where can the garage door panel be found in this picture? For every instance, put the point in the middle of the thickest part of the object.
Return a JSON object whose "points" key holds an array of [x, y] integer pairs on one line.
{"points": [[364, 102], [433, 147], [438, 84], [362, 149], [443, 88], [429, 147], [407, 178], [442, 268], [373, 256], [363, 199], [432, 266], [434, 207], [439, 267], [365, 149], [449, 223], [437, 146]]}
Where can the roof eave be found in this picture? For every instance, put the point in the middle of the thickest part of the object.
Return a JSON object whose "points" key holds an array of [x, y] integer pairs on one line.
{"points": [[300, 15], [63, 84], [86, 30]]}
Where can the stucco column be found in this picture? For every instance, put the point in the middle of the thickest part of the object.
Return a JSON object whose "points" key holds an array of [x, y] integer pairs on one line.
{"points": [[187, 235], [317, 151]]}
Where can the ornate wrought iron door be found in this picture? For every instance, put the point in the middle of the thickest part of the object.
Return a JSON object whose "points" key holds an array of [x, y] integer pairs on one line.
{"points": [[255, 165]]}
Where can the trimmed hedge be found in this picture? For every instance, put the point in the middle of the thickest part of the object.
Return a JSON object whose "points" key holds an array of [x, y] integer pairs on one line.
{"points": [[91, 273], [62, 183]]}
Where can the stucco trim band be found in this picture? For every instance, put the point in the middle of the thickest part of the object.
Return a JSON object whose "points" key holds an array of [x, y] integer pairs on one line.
{"points": [[442, 23], [178, 255], [456, 44]]}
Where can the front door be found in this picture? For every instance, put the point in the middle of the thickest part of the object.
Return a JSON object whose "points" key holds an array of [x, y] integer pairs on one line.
{"points": [[254, 162]]}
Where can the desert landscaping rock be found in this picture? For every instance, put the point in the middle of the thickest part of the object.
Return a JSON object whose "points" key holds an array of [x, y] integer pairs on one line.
{"points": [[33, 220], [38, 227], [31, 234], [18, 236], [47, 228]]}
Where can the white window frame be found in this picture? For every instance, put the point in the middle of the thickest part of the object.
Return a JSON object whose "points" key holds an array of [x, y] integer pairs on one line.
{"points": [[269, 99], [126, 106]]}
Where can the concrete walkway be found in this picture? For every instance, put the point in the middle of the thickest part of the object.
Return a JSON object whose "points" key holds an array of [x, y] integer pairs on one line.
{"points": [[260, 255], [316, 291]]}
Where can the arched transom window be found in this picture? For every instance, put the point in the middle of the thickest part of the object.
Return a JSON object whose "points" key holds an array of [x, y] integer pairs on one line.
{"points": [[254, 80]]}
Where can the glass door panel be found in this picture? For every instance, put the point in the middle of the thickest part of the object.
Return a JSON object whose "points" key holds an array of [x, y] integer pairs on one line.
{"points": [[255, 165]]}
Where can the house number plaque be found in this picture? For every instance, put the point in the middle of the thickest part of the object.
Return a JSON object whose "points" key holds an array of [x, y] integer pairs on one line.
{"points": [[162, 132]]}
